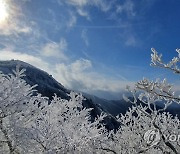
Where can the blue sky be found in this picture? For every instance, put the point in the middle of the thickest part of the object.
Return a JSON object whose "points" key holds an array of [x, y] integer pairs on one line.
{"points": [[95, 46]]}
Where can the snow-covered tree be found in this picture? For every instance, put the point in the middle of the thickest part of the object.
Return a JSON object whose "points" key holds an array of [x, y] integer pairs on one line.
{"points": [[65, 128], [18, 107], [34, 124], [147, 127]]}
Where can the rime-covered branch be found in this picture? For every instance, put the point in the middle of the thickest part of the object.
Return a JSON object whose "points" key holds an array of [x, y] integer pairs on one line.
{"points": [[156, 60]]}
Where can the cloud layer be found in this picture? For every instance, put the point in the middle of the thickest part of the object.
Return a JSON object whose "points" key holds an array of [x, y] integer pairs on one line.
{"points": [[53, 49], [78, 75]]}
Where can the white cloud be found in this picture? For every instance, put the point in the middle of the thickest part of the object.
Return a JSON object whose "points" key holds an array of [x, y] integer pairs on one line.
{"points": [[78, 2], [14, 27], [81, 6], [104, 5], [72, 21], [8, 54], [81, 65], [78, 75], [127, 7], [83, 13], [85, 37], [119, 9], [14, 24], [53, 49]]}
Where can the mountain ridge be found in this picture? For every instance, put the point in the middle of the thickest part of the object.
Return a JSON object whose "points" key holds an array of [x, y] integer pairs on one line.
{"points": [[48, 86]]}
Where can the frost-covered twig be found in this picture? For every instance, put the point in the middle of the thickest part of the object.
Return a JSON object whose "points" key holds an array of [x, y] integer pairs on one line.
{"points": [[156, 60]]}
